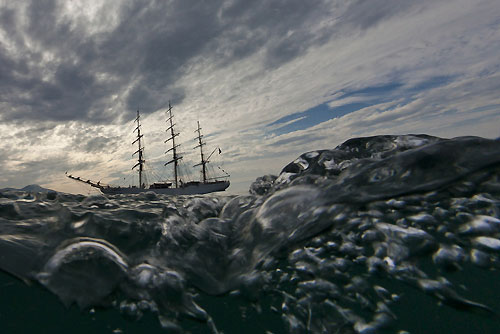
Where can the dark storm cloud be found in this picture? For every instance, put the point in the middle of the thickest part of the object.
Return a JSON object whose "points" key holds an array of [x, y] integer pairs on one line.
{"points": [[159, 40], [70, 94], [282, 28], [143, 56]]}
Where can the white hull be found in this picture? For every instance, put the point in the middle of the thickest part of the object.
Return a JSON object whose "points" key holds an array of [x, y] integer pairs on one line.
{"points": [[190, 189]]}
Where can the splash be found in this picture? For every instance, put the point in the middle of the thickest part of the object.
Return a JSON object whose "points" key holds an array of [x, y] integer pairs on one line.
{"points": [[343, 240]]}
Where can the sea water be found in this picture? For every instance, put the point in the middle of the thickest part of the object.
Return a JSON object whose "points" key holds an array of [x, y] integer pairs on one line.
{"points": [[386, 234]]}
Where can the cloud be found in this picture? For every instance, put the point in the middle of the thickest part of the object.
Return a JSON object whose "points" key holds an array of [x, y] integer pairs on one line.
{"points": [[268, 79], [367, 14], [60, 69]]}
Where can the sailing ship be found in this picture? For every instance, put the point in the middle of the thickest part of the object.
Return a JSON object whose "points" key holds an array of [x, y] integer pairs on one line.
{"points": [[176, 186]]}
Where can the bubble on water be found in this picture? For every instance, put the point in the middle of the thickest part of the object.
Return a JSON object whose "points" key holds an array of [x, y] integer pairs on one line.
{"points": [[335, 243]]}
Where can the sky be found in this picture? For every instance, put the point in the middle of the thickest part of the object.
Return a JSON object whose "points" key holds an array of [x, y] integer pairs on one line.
{"points": [[268, 81]]}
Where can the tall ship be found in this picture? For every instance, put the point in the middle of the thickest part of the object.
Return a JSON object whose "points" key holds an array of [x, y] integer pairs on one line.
{"points": [[177, 186]]}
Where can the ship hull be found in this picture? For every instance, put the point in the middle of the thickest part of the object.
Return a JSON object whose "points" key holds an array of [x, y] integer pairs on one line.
{"points": [[189, 189]]}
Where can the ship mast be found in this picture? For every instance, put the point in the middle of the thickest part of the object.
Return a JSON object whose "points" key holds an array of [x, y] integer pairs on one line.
{"points": [[203, 162], [173, 134], [140, 151]]}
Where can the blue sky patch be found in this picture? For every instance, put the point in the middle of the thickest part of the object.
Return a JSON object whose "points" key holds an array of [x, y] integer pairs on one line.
{"points": [[378, 91], [318, 114], [371, 96]]}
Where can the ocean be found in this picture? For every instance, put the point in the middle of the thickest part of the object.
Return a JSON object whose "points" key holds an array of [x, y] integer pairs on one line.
{"points": [[384, 234]]}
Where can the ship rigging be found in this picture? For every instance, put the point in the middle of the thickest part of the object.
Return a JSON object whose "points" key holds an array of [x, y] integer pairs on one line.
{"points": [[176, 186]]}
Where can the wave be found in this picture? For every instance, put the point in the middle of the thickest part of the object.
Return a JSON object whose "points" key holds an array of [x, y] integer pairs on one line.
{"points": [[349, 240]]}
